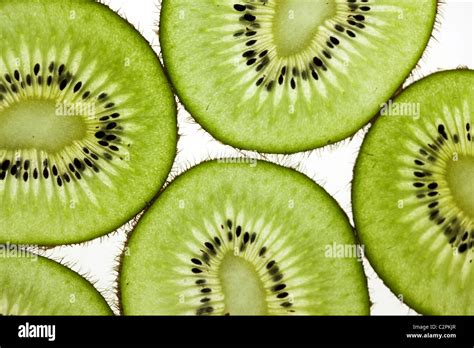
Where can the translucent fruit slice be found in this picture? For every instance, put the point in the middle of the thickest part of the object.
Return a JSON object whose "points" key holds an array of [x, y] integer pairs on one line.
{"points": [[243, 239], [413, 194], [87, 121], [287, 76], [34, 285]]}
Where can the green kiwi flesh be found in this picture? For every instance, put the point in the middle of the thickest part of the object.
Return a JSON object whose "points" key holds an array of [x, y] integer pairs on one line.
{"points": [[34, 285], [242, 239], [87, 121], [413, 194], [287, 76]]}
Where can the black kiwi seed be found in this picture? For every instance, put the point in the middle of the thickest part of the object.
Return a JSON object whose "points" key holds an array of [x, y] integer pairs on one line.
{"points": [[253, 237], [78, 164], [13, 170], [270, 86], [77, 87], [88, 162], [282, 295], [239, 7], [63, 84], [196, 261], [278, 287], [6, 164]]}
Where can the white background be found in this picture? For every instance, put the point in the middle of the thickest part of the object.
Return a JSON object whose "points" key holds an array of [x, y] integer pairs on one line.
{"points": [[331, 167]]}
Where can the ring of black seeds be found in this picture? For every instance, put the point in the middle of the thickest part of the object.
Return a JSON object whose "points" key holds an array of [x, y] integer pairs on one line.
{"points": [[259, 59], [200, 263], [56, 75]]}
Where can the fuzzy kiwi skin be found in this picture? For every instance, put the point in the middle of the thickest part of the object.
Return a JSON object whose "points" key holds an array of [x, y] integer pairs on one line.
{"points": [[435, 84], [247, 139]]}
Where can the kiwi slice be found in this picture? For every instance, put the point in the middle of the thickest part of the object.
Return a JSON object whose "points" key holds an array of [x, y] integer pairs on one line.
{"points": [[287, 76], [413, 194], [88, 121], [34, 285], [240, 239]]}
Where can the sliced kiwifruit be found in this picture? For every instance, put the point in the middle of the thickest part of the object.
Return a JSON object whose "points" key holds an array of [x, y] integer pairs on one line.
{"points": [[34, 285], [243, 239], [87, 121], [290, 75], [413, 194]]}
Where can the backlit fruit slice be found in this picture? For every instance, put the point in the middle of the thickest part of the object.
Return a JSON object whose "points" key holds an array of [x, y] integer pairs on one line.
{"points": [[87, 121], [290, 75], [243, 239], [34, 285], [413, 194]]}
